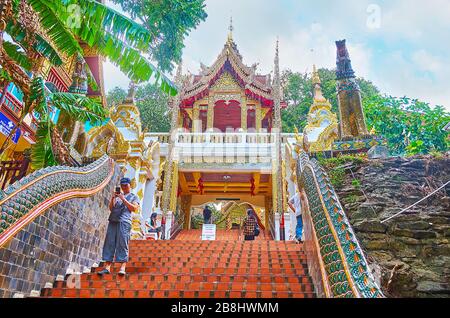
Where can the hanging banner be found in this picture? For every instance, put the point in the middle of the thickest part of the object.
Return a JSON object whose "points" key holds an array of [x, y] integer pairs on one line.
{"points": [[6, 126]]}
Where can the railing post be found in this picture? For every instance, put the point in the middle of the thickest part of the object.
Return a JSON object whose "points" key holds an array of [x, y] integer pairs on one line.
{"points": [[277, 226], [168, 227], [287, 226]]}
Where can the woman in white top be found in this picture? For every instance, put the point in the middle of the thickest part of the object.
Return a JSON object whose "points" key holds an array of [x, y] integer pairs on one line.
{"points": [[298, 202]]}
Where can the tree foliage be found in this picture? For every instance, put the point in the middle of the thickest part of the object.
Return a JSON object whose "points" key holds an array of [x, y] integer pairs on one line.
{"points": [[298, 93], [152, 106], [409, 125], [169, 22]]}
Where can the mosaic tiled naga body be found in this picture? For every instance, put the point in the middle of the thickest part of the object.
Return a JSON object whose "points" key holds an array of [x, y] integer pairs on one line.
{"points": [[25, 199], [345, 269]]}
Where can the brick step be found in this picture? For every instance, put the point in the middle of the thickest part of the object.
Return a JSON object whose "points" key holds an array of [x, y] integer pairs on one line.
{"points": [[211, 248], [226, 286], [284, 249], [201, 254], [117, 293], [213, 270], [218, 263], [204, 254], [196, 267], [235, 242], [215, 259], [225, 257], [98, 281]]}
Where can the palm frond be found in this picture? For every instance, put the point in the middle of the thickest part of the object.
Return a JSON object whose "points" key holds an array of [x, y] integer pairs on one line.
{"points": [[79, 107], [47, 50], [41, 153], [41, 45], [98, 19], [54, 27], [4, 76], [37, 96], [15, 52], [133, 64], [114, 35]]}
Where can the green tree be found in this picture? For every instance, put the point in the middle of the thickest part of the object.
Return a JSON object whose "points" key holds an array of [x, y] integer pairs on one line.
{"points": [[298, 93], [152, 104], [169, 22], [409, 125], [51, 29]]}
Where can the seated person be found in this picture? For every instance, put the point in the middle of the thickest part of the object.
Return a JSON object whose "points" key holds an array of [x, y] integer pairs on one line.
{"points": [[153, 226]]}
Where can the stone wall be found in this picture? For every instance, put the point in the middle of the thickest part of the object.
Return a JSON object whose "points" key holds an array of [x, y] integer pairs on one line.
{"points": [[411, 253], [68, 235]]}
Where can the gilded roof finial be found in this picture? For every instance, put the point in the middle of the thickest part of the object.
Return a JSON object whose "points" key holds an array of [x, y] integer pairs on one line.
{"points": [[316, 77], [131, 93], [318, 95], [231, 29]]}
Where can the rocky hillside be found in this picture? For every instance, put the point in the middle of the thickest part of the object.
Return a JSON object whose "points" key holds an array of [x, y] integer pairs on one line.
{"points": [[411, 253]]}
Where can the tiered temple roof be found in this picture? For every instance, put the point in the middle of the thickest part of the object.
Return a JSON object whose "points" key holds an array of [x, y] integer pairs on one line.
{"points": [[257, 86]]}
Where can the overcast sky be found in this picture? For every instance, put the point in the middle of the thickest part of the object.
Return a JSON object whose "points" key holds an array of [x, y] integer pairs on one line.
{"points": [[401, 45]]}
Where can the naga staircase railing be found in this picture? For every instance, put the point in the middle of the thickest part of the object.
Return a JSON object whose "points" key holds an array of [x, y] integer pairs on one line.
{"points": [[26, 199], [336, 261]]}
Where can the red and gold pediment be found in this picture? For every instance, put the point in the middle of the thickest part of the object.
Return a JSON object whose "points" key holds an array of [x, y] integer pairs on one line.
{"points": [[229, 72]]}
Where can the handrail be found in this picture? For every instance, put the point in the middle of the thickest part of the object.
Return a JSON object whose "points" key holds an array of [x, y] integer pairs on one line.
{"points": [[272, 227], [24, 200], [343, 266], [175, 230]]}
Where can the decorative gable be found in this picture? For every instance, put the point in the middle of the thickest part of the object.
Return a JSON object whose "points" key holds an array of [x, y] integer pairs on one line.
{"points": [[226, 83]]}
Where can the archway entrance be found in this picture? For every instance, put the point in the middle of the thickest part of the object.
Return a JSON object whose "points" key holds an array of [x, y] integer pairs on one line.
{"points": [[229, 195]]}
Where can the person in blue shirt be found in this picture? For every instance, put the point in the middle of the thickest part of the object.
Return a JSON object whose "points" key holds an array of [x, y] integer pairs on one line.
{"points": [[207, 213], [118, 234]]}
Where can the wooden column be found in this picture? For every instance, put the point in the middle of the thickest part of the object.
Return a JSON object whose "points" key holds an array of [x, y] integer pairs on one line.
{"points": [[210, 123], [258, 115], [196, 125], [244, 111]]}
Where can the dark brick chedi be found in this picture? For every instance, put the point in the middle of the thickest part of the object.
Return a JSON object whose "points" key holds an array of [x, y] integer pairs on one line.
{"points": [[68, 235]]}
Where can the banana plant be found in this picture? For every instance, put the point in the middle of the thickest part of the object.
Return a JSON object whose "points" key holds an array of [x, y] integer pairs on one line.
{"points": [[53, 29], [49, 146]]}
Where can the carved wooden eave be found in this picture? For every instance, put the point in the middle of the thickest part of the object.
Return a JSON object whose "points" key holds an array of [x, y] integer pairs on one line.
{"points": [[246, 76]]}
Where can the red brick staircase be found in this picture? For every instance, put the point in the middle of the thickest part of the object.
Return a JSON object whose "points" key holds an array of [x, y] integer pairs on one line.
{"points": [[200, 269]]}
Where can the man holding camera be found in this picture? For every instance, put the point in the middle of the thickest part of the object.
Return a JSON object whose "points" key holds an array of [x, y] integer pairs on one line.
{"points": [[123, 203]]}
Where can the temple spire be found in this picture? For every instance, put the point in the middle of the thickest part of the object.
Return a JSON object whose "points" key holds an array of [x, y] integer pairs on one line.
{"points": [[168, 170], [231, 29], [318, 95], [278, 192], [179, 75], [277, 87], [316, 77], [131, 93]]}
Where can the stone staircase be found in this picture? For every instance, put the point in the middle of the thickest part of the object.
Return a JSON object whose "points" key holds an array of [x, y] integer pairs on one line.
{"points": [[200, 269]]}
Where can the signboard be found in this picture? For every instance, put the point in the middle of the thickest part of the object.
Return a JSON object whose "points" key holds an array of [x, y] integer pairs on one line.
{"points": [[6, 126], [209, 232]]}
